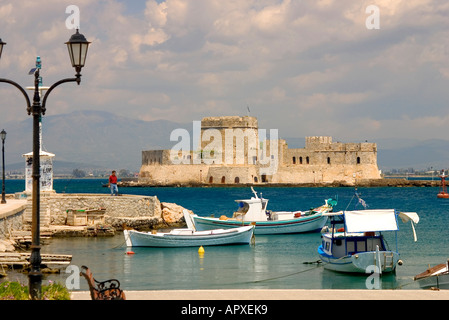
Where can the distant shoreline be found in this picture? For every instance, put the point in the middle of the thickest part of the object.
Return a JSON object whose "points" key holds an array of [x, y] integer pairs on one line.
{"points": [[386, 182]]}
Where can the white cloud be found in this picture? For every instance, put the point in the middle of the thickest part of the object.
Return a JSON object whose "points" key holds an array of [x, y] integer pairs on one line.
{"points": [[296, 63]]}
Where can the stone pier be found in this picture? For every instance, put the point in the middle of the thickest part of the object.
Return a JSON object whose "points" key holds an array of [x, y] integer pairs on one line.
{"points": [[138, 212]]}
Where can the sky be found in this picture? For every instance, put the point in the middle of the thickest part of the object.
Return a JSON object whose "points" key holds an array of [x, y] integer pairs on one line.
{"points": [[304, 67]]}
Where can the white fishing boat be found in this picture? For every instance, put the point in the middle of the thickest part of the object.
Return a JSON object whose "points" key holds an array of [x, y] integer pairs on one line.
{"points": [[436, 277], [189, 237], [359, 246], [254, 210]]}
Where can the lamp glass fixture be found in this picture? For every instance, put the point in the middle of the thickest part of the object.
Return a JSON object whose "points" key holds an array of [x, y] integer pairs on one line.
{"points": [[78, 46], [3, 135]]}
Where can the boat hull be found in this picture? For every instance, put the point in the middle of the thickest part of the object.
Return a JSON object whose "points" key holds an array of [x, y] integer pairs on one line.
{"points": [[207, 238], [313, 223], [434, 277], [362, 262], [436, 281]]}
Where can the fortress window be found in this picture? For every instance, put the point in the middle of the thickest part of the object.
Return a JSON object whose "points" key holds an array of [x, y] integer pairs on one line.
{"points": [[294, 160], [328, 160], [223, 179], [300, 160], [255, 179], [211, 179], [237, 180], [358, 160], [307, 160]]}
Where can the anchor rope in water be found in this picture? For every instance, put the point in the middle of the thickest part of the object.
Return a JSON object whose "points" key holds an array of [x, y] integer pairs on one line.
{"points": [[269, 279]]}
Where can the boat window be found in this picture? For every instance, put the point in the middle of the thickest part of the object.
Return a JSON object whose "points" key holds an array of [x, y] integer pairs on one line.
{"points": [[327, 246], [350, 246], [373, 242], [361, 246], [243, 207]]}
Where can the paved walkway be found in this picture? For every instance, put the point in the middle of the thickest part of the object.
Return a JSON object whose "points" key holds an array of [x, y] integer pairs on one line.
{"points": [[11, 206], [276, 294]]}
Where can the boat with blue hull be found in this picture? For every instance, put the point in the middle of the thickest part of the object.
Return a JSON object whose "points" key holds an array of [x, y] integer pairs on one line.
{"points": [[254, 211], [359, 246]]}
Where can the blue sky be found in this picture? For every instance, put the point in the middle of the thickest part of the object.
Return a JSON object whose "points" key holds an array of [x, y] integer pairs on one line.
{"points": [[307, 67]]}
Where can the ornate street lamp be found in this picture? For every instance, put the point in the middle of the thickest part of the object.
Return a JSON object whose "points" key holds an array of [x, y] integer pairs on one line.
{"points": [[78, 46], [3, 137]]}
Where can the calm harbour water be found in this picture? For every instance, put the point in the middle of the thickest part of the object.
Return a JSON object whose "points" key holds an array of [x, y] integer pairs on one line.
{"points": [[275, 261]]}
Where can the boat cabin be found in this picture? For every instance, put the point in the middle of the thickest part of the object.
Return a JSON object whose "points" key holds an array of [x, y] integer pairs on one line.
{"points": [[251, 210], [341, 244], [254, 209], [357, 231]]}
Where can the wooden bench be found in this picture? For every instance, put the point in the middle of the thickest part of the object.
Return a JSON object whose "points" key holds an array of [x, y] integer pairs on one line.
{"points": [[105, 290]]}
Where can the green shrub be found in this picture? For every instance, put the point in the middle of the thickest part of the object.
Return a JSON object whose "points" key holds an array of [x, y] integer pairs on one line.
{"points": [[17, 291]]}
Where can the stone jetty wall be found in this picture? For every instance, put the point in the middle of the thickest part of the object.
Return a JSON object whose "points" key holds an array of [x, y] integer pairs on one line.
{"points": [[139, 212], [10, 221]]}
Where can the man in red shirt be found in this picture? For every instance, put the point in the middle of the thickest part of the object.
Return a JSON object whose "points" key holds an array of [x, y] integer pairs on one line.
{"points": [[113, 184]]}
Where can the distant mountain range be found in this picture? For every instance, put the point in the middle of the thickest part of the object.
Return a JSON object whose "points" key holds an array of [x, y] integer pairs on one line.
{"points": [[98, 139], [90, 139]]}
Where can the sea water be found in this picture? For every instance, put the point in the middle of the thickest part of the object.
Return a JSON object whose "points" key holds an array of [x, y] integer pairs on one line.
{"points": [[274, 262]]}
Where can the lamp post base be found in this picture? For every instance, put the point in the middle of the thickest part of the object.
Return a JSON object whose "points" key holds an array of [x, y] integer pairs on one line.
{"points": [[35, 275]]}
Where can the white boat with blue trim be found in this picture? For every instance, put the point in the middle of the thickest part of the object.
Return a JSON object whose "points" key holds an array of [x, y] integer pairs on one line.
{"points": [[359, 246], [254, 210], [189, 237]]}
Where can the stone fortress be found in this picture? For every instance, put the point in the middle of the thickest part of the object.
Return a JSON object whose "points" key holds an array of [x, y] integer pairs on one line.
{"points": [[232, 150]]}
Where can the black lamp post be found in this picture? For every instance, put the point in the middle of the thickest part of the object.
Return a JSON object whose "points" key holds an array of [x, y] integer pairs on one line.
{"points": [[77, 46], [3, 137]]}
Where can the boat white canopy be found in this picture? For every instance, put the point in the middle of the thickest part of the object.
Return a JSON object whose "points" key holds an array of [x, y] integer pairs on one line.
{"points": [[375, 220], [370, 220]]}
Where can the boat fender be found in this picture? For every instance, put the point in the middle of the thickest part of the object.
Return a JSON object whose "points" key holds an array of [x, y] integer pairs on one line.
{"points": [[341, 230], [297, 214], [400, 262]]}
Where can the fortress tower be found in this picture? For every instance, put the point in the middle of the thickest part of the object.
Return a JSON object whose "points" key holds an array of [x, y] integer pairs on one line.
{"points": [[235, 138]]}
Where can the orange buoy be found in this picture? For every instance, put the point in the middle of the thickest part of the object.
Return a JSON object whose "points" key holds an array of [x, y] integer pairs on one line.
{"points": [[130, 252], [443, 192]]}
